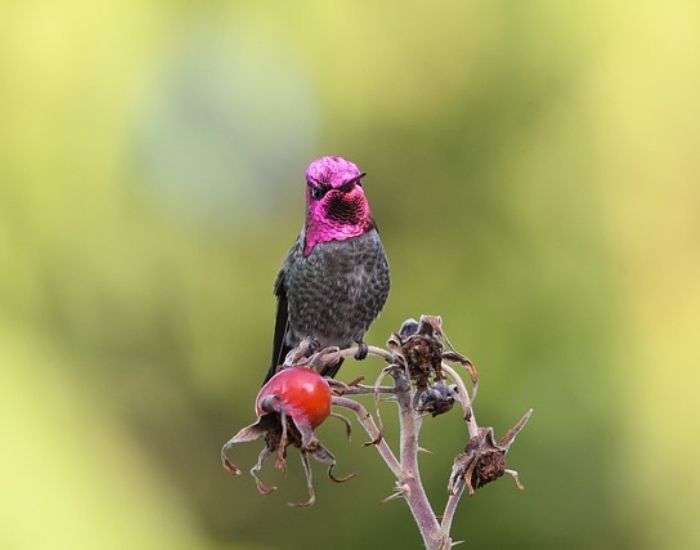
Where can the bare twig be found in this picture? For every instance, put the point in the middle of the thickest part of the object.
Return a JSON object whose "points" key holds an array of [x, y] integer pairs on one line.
{"points": [[361, 389], [464, 400], [367, 422], [371, 350], [451, 508]]}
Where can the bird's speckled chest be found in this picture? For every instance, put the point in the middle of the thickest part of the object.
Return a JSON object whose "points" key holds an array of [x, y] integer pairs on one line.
{"points": [[337, 290]]}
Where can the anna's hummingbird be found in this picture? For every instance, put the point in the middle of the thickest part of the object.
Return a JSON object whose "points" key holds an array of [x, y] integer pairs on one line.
{"points": [[335, 279]]}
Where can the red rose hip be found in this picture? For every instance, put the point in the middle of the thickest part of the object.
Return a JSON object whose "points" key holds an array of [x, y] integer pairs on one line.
{"points": [[299, 392]]}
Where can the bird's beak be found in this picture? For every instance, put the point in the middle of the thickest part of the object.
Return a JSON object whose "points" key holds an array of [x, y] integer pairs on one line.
{"points": [[348, 185]]}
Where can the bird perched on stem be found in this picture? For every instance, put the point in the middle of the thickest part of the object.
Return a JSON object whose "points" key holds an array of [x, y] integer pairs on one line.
{"points": [[335, 279]]}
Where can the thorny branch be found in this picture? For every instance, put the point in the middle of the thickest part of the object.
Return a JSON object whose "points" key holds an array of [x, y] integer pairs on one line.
{"points": [[419, 359]]}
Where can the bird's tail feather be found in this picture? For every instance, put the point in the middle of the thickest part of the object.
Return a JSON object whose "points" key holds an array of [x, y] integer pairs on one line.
{"points": [[332, 371]]}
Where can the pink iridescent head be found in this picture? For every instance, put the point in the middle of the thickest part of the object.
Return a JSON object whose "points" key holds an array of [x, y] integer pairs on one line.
{"points": [[336, 206]]}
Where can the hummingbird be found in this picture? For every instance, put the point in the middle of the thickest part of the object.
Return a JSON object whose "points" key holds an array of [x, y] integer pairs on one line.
{"points": [[335, 278]]}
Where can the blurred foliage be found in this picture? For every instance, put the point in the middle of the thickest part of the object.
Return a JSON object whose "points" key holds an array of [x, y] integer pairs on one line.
{"points": [[533, 168]]}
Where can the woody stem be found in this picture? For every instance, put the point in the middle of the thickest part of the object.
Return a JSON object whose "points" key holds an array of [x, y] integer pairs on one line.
{"points": [[410, 480]]}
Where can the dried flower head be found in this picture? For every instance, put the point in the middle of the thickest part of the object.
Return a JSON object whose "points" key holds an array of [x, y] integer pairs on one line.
{"points": [[483, 460]]}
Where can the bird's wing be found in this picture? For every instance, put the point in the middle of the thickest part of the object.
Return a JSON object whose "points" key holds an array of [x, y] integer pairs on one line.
{"points": [[280, 349]]}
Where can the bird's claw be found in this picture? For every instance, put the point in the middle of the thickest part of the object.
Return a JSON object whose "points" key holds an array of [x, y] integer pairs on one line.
{"points": [[362, 351]]}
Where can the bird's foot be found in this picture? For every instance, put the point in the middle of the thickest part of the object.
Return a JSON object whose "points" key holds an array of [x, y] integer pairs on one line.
{"points": [[314, 346], [362, 350]]}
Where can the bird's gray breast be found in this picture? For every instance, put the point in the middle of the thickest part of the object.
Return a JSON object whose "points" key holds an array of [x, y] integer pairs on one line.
{"points": [[336, 291]]}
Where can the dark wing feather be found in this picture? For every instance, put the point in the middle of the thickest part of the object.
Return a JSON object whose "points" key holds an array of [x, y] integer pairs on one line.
{"points": [[279, 348]]}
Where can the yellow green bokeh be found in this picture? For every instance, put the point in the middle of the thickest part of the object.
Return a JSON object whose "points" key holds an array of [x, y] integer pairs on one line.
{"points": [[534, 168]]}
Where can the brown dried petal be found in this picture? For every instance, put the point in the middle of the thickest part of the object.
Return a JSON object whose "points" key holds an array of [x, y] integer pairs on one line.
{"points": [[483, 460], [249, 433], [324, 456]]}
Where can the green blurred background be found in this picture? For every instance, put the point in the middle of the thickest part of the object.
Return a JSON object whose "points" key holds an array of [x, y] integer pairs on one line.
{"points": [[533, 167]]}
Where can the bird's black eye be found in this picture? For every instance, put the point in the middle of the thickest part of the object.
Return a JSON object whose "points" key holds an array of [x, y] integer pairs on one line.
{"points": [[317, 192]]}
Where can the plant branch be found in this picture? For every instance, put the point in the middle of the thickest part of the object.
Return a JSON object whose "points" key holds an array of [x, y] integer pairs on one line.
{"points": [[367, 422], [361, 389], [414, 492], [451, 508], [464, 400]]}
